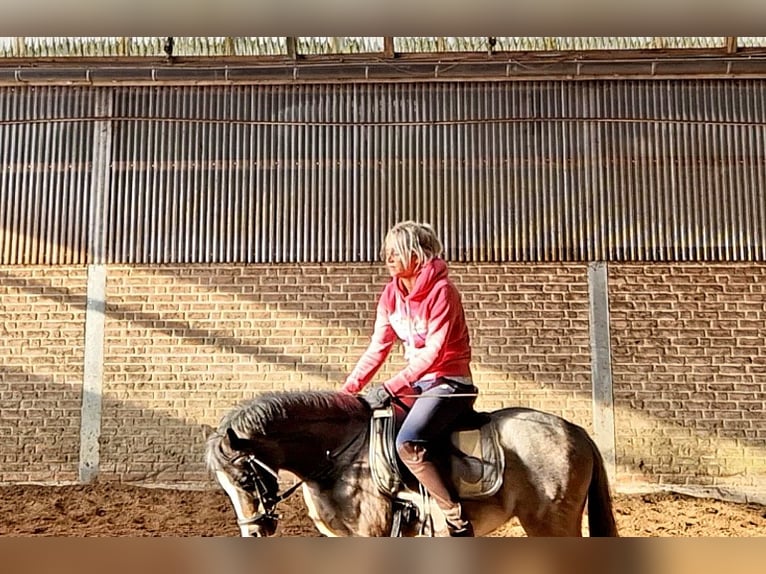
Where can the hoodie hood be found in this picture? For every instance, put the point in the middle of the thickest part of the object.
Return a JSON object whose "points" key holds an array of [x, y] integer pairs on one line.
{"points": [[432, 272]]}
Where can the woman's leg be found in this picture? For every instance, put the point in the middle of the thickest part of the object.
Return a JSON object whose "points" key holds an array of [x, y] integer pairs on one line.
{"points": [[430, 420]]}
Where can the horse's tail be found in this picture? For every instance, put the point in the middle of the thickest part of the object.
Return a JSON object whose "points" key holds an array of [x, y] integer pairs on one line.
{"points": [[600, 510]]}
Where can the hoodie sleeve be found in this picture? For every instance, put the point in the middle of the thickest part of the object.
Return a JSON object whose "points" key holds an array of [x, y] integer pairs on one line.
{"points": [[445, 306], [383, 338]]}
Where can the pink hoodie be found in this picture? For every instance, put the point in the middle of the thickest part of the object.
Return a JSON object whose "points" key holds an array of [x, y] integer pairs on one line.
{"points": [[430, 322]]}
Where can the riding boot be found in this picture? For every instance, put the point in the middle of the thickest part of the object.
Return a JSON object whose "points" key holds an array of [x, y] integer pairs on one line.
{"points": [[427, 473]]}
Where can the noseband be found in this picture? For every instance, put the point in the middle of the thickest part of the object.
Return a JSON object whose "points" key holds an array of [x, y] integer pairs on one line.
{"points": [[255, 483]]}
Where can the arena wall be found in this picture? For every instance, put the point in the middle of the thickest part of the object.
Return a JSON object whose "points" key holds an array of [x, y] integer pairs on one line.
{"points": [[184, 343]]}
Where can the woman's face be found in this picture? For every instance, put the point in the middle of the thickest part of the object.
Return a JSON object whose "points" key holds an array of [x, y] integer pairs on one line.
{"points": [[399, 267]]}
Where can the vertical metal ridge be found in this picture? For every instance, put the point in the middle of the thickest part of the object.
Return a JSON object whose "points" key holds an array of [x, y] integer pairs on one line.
{"points": [[6, 179], [758, 174], [280, 220], [372, 193]]}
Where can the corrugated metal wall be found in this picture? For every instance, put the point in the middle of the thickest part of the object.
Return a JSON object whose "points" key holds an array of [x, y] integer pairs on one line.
{"points": [[517, 171]]}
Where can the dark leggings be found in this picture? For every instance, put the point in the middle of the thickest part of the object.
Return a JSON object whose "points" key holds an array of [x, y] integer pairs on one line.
{"points": [[432, 414]]}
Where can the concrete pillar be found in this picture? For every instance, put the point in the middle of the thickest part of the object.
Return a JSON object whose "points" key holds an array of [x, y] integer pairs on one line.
{"points": [[93, 366], [93, 374], [601, 365]]}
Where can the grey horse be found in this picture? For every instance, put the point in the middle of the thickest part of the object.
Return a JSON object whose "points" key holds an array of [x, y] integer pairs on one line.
{"points": [[552, 469]]}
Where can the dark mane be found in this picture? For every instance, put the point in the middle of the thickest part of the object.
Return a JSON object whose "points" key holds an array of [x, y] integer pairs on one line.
{"points": [[256, 415]]}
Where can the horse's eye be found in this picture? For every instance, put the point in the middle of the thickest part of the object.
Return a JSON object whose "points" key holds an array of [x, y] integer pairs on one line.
{"points": [[246, 482]]}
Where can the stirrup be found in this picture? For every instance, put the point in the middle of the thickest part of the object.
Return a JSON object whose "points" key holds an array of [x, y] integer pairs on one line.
{"points": [[458, 526], [463, 531]]}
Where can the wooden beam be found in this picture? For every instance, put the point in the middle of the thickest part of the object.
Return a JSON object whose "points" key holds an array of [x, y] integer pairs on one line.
{"points": [[292, 47], [491, 43], [731, 44], [228, 45], [388, 47]]}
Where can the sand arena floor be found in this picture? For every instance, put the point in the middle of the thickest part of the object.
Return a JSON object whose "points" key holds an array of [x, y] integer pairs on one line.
{"points": [[112, 509]]}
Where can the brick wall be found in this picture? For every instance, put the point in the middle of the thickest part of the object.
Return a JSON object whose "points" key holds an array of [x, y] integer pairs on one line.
{"points": [[530, 334], [42, 316], [689, 368], [183, 344]]}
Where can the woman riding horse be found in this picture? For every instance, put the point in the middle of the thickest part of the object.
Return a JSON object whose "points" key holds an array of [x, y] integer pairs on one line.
{"points": [[422, 307]]}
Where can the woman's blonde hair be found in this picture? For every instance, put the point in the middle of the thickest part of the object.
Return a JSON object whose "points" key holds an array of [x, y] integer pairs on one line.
{"points": [[410, 239]]}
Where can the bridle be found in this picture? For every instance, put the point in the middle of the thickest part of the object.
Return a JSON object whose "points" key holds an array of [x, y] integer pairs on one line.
{"points": [[253, 482]]}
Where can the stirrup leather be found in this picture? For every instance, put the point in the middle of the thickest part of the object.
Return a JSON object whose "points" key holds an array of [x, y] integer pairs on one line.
{"points": [[382, 453]]}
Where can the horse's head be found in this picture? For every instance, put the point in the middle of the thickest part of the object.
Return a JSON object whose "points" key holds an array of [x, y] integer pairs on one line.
{"points": [[309, 434], [251, 482]]}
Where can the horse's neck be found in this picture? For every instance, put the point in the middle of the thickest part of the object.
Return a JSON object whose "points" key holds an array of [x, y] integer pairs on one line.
{"points": [[317, 452]]}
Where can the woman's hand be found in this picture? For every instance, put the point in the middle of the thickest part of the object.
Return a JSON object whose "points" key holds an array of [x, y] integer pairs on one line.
{"points": [[378, 397], [350, 387]]}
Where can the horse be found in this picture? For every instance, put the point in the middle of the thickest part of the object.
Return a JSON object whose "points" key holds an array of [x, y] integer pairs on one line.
{"points": [[552, 467]]}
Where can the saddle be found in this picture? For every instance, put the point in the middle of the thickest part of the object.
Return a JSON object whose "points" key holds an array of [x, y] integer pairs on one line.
{"points": [[476, 463]]}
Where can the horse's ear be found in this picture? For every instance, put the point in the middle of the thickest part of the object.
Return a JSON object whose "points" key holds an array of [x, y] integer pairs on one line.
{"points": [[236, 443]]}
